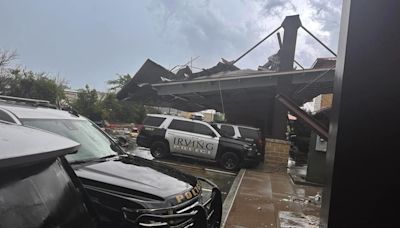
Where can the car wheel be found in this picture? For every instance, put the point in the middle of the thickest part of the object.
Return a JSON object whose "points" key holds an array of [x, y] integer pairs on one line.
{"points": [[159, 150], [230, 161]]}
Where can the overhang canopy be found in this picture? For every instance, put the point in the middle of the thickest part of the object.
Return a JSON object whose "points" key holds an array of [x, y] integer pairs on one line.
{"points": [[237, 88], [245, 96]]}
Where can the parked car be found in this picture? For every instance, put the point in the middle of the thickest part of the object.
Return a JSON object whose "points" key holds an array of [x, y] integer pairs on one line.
{"points": [[37, 186], [172, 135], [242, 133], [123, 188]]}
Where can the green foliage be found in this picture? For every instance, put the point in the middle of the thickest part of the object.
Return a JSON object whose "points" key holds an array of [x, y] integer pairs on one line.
{"points": [[119, 82], [110, 108], [122, 111], [88, 104], [28, 84]]}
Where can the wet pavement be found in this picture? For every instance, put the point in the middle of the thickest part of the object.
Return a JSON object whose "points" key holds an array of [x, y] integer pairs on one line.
{"points": [[267, 197]]}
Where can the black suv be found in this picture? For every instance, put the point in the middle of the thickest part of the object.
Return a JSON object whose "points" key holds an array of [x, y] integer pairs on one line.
{"points": [[166, 135], [242, 133], [124, 189]]}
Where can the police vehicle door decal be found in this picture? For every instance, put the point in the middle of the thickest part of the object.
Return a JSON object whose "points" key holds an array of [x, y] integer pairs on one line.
{"points": [[193, 141], [205, 146]]}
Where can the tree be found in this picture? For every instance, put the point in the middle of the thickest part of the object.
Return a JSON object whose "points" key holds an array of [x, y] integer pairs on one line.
{"points": [[88, 104], [122, 111], [119, 82], [111, 108], [23, 83], [6, 57], [28, 84]]}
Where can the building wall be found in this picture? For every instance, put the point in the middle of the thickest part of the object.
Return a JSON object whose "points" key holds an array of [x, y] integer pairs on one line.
{"points": [[276, 152], [71, 95], [323, 101]]}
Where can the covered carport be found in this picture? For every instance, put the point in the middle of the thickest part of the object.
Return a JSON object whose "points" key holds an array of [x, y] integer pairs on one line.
{"points": [[245, 96]]}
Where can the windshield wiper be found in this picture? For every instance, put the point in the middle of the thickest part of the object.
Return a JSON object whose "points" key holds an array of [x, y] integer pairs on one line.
{"points": [[108, 156], [101, 159]]}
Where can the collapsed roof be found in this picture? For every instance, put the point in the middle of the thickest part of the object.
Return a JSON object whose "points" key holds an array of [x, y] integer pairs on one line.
{"points": [[229, 91], [245, 96]]}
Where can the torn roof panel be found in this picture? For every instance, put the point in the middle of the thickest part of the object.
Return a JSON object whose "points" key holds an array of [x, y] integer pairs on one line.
{"points": [[324, 63], [244, 72], [220, 67], [150, 72]]}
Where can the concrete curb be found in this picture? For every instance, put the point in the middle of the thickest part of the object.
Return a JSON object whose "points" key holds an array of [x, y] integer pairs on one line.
{"points": [[230, 198]]}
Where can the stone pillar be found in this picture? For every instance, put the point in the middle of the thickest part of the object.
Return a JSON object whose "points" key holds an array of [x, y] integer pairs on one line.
{"points": [[276, 152]]}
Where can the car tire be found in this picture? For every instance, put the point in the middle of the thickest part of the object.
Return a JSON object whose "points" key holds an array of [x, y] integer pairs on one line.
{"points": [[159, 149], [230, 161]]}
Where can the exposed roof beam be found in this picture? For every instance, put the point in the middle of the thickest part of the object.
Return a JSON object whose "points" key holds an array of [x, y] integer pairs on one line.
{"points": [[186, 100], [306, 118], [238, 82]]}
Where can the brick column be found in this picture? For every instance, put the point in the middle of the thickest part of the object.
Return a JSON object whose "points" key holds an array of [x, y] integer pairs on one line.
{"points": [[276, 152]]}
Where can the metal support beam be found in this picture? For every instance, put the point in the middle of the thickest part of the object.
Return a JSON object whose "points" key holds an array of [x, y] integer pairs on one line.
{"points": [[261, 41], [363, 150], [286, 56], [286, 53], [280, 45], [240, 82], [319, 41], [302, 115]]}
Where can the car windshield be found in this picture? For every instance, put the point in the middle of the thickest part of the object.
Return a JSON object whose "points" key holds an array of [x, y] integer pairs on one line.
{"points": [[94, 144]]}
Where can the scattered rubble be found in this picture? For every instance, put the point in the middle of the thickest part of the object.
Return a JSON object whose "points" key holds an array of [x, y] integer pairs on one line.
{"points": [[316, 200], [297, 220]]}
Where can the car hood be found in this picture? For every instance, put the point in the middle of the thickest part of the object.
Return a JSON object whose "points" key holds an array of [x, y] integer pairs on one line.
{"points": [[136, 176]]}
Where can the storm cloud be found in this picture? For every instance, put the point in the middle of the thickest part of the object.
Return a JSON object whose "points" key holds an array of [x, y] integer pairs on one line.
{"points": [[212, 29], [89, 42]]}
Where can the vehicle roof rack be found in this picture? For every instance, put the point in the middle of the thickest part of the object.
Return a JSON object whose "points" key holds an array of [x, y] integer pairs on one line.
{"points": [[34, 102], [70, 110]]}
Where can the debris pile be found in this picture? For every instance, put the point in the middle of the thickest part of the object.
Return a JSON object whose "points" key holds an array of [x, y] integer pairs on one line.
{"points": [[289, 219]]}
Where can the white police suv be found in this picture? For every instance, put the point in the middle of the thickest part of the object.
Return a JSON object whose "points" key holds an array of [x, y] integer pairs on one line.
{"points": [[171, 135]]}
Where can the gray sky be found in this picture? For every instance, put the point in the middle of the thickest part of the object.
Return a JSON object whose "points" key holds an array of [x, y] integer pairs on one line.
{"points": [[89, 42]]}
